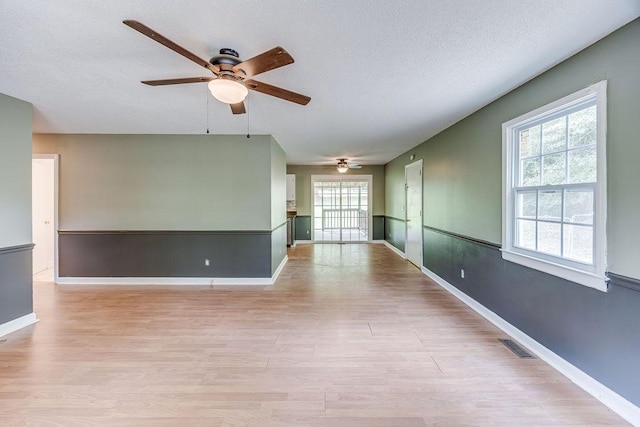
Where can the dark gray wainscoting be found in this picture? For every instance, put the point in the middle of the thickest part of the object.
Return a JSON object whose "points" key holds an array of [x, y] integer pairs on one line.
{"points": [[303, 227], [16, 282], [378, 227], [278, 246], [597, 332], [165, 253], [394, 232]]}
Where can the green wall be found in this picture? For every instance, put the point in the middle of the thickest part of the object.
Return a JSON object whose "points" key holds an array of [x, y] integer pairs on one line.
{"points": [[594, 331], [278, 205], [278, 185], [303, 184], [394, 200], [15, 172], [462, 165], [16, 266], [166, 182]]}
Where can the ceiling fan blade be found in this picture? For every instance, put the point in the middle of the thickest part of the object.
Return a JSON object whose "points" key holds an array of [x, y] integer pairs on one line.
{"points": [[274, 58], [278, 92], [238, 108], [354, 166], [177, 81], [152, 34]]}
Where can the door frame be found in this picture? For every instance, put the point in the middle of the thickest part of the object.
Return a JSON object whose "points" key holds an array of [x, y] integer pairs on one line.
{"points": [[341, 178], [56, 161], [417, 163]]}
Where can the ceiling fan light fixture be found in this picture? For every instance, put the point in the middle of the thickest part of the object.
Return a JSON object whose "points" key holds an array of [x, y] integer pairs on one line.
{"points": [[227, 91], [342, 166]]}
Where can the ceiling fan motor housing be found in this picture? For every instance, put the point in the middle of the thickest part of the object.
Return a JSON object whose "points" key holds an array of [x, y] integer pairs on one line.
{"points": [[228, 51], [227, 59]]}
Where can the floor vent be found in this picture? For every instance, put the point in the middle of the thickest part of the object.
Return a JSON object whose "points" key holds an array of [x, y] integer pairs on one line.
{"points": [[516, 349]]}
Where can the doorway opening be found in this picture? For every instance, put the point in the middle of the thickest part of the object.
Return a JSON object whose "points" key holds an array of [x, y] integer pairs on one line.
{"points": [[341, 208], [44, 193]]}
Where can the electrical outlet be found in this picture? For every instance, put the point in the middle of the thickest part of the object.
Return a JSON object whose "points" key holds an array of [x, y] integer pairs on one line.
{"points": [[462, 273], [206, 262], [307, 231]]}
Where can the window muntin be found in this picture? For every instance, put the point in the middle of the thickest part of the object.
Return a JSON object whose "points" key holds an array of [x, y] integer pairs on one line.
{"points": [[555, 193], [555, 184]]}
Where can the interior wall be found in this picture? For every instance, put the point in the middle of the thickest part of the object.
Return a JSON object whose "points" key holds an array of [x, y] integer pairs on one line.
{"points": [[15, 171], [463, 171], [278, 205], [162, 182], [304, 204], [303, 184], [394, 206], [16, 296], [278, 185], [177, 206], [463, 211]]}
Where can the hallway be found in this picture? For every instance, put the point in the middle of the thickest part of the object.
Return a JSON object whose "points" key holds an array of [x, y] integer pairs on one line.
{"points": [[350, 335]]}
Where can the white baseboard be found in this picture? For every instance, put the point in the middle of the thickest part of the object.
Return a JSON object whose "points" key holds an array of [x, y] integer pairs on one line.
{"points": [[394, 249], [279, 269], [19, 323], [608, 397], [304, 242], [173, 281], [164, 281]]}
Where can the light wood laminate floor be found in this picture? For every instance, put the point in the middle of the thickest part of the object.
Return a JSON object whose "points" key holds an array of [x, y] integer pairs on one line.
{"points": [[350, 335]]}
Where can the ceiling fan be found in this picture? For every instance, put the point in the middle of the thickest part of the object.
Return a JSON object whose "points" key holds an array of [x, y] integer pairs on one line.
{"points": [[344, 166], [231, 79]]}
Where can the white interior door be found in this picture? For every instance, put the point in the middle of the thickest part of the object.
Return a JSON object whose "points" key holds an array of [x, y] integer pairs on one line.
{"points": [[413, 244], [43, 213], [341, 208]]}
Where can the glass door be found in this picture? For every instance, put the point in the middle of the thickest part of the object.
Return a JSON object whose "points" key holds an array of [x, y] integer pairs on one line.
{"points": [[341, 208]]}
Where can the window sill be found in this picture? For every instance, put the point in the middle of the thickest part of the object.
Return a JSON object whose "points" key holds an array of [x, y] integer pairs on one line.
{"points": [[585, 278]]}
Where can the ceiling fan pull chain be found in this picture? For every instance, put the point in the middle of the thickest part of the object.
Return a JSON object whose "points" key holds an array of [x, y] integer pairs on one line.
{"points": [[246, 102], [207, 95]]}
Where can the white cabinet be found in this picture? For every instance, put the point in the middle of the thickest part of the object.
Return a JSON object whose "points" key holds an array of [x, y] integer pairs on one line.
{"points": [[291, 193], [291, 187]]}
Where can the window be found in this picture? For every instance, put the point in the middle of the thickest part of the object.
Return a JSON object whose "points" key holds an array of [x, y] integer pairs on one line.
{"points": [[341, 208], [554, 195]]}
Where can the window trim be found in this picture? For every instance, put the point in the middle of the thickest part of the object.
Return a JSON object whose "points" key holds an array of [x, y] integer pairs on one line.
{"points": [[594, 276]]}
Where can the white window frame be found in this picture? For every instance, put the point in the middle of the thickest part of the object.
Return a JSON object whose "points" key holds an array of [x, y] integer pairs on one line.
{"points": [[593, 276]]}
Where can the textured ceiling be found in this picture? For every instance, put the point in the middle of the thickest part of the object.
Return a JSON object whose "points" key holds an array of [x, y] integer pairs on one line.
{"points": [[383, 75]]}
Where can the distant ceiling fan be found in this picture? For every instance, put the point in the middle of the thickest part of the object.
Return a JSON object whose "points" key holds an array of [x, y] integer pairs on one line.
{"points": [[344, 166], [231, 80]]}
